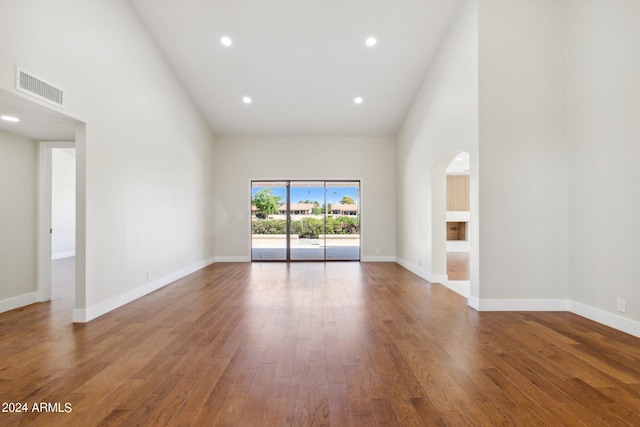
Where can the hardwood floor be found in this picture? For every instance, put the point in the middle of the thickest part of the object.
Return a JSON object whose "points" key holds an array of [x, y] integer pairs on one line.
{"points": [[63, 287], [341, 344], [458, 265]]}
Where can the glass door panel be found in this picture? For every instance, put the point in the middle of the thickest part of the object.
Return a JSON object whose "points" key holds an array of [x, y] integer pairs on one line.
{"points": [[307, 220], [269, 221], [343, 221]]}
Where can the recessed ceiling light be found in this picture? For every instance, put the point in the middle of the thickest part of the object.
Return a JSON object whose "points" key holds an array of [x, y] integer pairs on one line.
{"points": [[247, 100], [371, 41], [226, 41], [10, 118], [459, 159], [358, 100]]}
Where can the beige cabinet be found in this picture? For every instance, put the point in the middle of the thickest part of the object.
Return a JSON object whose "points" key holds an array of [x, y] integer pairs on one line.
{"points": [[457, 192]]}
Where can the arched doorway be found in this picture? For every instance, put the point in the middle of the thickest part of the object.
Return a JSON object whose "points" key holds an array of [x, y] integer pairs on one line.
{"points": [[454, 216]]}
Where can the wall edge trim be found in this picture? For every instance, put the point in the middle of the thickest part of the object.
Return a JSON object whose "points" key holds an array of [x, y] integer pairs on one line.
{"points": [[426, 275], [232, 259], [461, 287], [84, 315], [612, 320], [377, 258], [18, 301], [524, 304]]}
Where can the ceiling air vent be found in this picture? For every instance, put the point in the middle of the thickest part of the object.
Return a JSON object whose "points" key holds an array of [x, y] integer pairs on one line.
{"points": [[37, 87]]}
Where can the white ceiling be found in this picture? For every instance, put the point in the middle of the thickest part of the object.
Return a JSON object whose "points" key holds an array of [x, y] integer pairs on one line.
{"points": [[460, 165], [36, 121], [302, 61]]}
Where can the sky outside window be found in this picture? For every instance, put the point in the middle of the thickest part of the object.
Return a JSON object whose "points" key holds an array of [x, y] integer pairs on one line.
{"points": [[314, 194]]}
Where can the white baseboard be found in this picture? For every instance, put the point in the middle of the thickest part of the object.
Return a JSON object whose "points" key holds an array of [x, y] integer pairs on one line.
{"points": [[369, 258], [60, 255], [473, 302], [523, 305], [426, 275], [413, 268], [438, 278], [233, 259], [612, 320], [461, 287], [377, 258], [17, 302], [97, 310]]}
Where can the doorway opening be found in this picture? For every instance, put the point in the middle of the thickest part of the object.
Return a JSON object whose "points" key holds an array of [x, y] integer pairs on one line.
{"points": [[57, 213], [295, 220], [63, 223], [40, 123], [458, 217]]}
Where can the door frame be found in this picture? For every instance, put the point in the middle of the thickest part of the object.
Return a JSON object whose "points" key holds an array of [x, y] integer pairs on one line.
{"points": [[45, 182]]}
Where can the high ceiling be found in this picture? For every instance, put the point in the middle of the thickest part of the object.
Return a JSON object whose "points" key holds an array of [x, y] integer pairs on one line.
{"points": [[302, 62]]}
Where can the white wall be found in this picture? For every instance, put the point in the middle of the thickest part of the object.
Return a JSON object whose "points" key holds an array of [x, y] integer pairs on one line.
{"points": [[63, 202], [18, 162], [239, 160], [523, 183], [442, 122], [145, 162], [147, 169], [604, 151]]}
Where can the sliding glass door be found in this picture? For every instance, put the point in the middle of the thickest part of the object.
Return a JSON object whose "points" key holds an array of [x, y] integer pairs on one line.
{"points": [[305, 220], [269, 221], [342, 240]]}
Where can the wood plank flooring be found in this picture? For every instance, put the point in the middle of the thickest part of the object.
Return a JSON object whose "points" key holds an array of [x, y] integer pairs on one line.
{"points": [[314, 344], [458, 265]]}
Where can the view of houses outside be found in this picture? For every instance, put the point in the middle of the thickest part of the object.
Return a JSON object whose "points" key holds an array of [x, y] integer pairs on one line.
{"points": [[325, 220]]}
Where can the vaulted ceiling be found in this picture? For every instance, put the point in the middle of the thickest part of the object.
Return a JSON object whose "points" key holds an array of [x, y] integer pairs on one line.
{"points": [[302, 62]]}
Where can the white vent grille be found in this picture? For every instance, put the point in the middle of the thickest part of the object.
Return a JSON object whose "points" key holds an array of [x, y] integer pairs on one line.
{"points": [[37, 87]]}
